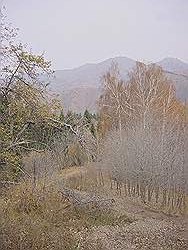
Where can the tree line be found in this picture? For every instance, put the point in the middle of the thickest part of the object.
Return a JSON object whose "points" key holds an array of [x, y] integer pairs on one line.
{"points": [[146, 136]]}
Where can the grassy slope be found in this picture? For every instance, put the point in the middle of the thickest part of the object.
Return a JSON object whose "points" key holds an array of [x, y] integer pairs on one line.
{"points": [[36, 216]]}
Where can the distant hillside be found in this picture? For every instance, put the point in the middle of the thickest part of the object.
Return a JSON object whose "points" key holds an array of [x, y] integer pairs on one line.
{"points": [[177, 71], [174, 65], [80, 88]]}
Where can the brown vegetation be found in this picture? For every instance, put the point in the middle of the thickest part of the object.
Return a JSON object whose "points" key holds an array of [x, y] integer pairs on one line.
{"points": [[133, 165]]}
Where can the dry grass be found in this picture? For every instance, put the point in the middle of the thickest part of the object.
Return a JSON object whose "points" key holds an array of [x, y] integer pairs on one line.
{"points": [[35, 216]]}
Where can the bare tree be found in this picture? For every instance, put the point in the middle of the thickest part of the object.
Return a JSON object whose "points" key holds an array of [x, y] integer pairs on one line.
{"points": [[149, 160]]}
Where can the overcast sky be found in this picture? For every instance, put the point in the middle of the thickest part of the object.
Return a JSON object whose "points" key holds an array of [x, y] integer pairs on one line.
{"points": [[75, 32]]}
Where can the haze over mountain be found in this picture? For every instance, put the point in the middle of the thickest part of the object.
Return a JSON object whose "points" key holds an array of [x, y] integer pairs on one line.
{"points": [[177, 71], [174, 65], [80, 88]]}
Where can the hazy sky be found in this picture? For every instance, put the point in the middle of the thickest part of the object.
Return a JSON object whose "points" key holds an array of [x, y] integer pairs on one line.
{"points": [[75, 32]]}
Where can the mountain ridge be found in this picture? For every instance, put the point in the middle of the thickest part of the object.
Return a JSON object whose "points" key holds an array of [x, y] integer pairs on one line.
{"points": [[80, 87]]}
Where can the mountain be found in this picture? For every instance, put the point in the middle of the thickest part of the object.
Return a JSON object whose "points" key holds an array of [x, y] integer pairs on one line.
{"points": [[90, 74], [80, 88], [174, 65], [177, 71]]}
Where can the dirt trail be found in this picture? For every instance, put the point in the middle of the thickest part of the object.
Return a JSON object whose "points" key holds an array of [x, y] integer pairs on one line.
{"points": [[150, 229]]}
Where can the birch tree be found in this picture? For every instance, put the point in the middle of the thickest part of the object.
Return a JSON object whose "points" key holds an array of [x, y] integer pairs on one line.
{"points": [[150, 159]]}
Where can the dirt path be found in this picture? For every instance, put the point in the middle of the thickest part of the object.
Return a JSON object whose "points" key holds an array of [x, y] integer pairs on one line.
{"points": [[150, 229]]}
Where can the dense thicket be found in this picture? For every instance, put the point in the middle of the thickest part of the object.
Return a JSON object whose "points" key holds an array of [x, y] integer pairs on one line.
{"points": [[146, 136]]}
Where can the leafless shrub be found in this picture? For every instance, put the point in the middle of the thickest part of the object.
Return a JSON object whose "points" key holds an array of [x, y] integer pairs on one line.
{"points": [[149, 166]]}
